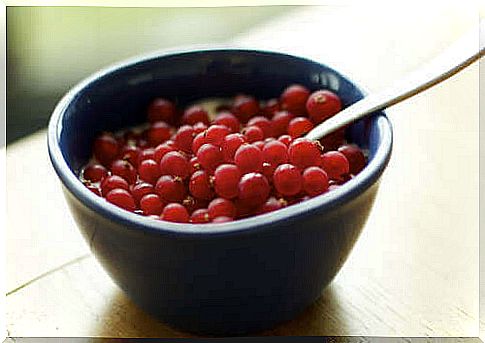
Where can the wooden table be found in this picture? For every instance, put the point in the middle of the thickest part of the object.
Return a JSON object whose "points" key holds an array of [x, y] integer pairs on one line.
{"points": [[414, 270]]}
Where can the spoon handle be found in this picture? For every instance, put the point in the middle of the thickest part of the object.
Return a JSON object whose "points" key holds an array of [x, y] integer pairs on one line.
{"points": [[460, 55]]}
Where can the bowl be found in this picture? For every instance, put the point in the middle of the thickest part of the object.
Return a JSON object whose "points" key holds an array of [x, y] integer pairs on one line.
{"points": [[229, 278]]}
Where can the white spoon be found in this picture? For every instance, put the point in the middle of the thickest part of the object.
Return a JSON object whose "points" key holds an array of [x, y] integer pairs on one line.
{"points": [[460, 55]]}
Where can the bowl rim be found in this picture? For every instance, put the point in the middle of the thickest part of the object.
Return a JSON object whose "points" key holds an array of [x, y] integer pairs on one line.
{"points": [[256, 224]]}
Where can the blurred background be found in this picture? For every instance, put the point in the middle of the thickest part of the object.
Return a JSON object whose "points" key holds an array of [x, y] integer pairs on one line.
{"points": [[50, 49]]}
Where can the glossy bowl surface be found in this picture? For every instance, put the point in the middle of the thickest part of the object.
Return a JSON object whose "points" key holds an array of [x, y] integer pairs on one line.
{"points": [[229, 278]]}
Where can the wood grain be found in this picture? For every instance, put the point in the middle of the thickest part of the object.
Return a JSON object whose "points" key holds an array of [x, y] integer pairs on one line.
{"points": [[414, 270]]}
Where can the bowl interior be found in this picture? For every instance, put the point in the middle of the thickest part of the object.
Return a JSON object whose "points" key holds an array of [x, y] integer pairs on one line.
{"points": [[119, 98]]}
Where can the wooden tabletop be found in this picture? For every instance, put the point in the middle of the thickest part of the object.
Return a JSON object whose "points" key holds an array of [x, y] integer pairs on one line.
{"points": [[414, 270]]}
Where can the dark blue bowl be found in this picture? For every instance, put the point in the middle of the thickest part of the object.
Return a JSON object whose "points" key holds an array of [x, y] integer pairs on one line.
{"points": [[223, 279]]}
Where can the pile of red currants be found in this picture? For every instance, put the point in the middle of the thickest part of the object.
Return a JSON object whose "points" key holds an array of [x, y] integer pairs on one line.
{"points": [[247, 158]]}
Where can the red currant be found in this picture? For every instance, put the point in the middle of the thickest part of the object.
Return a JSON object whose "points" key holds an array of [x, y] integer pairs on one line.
{"points": [[299, 126], [280, 122], [170, 189], [105, 148], [200, 216], [200, 186], [199, 127], [287, 180], [270, 107], [149, 171], [304, 153], [151, 204], [254, 189], [248, 158], [322, 104], [158, 133], [209, 156], [221, 207], [161, 150], [141, 189], [245, 107], [95, 173], [229, 120], [183, 138], [333, 140], [231, 143], [294, 98], [146, 154], [355, 156], [175, 164], [226, 181], [195, 114], [121, 198], [285, 139], [253, 134], [315, 181], [175, 213], [263, 123], [125, 170], [161, 110], [275, 153], [131, 154], [272, 204], [335, 164], [215, 134], [198, 141]]}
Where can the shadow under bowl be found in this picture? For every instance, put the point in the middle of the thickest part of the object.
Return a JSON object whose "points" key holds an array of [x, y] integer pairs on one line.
{"points": [[223, 279]]}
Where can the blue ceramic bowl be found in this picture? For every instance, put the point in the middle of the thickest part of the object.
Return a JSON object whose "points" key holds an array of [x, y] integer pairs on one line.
{"points": [[222, 279]]}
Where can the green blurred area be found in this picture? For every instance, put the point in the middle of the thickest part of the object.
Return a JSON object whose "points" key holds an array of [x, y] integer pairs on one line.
{"points": [[49, 49]]}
